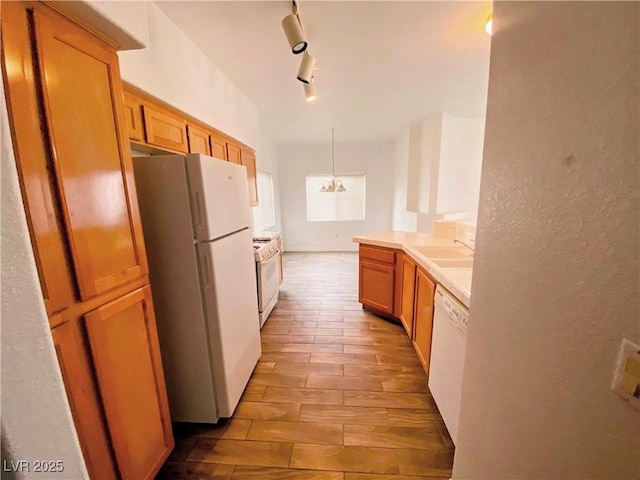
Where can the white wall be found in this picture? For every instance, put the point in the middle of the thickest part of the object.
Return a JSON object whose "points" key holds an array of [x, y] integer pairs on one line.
{"points": [[556, 280], [174, 70], [404, 218], [123, 22], [437, 171], [36, 420], [374, 159], [460, 165], [267, 160]]}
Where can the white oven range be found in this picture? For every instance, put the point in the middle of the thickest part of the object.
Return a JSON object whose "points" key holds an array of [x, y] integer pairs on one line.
{"points": [[267, 256]]}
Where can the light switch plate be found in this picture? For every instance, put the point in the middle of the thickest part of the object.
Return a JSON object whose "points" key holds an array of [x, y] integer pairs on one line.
{"points": [[626, 380]]}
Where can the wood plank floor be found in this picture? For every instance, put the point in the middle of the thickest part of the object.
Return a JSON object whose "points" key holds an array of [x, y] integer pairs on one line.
{"points": [[338, 394]]}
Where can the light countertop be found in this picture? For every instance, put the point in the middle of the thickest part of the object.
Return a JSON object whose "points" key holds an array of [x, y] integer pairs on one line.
{"points": [[455, 279], [270, 234]]}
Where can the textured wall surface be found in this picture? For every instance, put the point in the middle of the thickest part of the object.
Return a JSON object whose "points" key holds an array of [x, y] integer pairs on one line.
{"points": [[556, 272], [36, 420]]}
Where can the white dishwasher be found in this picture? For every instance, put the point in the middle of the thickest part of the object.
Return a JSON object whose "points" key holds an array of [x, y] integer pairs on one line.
{"points": [[448, 347]]}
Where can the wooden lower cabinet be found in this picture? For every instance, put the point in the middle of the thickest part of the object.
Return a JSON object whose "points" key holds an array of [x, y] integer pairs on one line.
{"points": [[394, 286], [124, 347], [376, 286], [379, 271], [423, 323], [84, 399], [112, 370], [407, 307]]}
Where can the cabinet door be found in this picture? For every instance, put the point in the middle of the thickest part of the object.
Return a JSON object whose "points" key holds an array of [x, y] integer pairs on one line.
{"points": [[233, 153], [126, 357], [425, 291], [165, 130], [198, 140], [133, 118], [376, 285], [408, 293], [33, 156], [84, 399], [218, 147], [249, 161], [82, 96]]}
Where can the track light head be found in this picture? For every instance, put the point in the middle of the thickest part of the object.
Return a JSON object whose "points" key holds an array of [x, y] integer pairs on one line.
{"points": [[310, 91], [308, 63], [295, 36]]}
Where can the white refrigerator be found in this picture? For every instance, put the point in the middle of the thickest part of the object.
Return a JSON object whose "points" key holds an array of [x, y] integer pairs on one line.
{"points": [[196, 220]]}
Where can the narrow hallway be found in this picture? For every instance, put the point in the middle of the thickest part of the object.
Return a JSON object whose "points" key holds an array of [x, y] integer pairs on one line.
{"points": [[338, 394]]}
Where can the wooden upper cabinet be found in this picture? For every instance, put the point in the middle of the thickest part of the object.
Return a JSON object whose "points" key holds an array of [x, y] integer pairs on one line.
{"points": [[89, 154], [77, 187], [164, 129], [198, 140], [249, 161], [32, 151], [408, 293], [133, 118], [423, 324], [126, 355], [218, 147], [83, 396], [234, 154]]}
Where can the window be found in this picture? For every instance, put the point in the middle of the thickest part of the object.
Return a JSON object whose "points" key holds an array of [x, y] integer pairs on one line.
{"points": [[332, 206], [264, 215]]}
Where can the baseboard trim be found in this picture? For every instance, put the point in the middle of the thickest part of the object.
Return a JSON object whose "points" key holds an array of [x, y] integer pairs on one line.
{"points": [[319, 249]]}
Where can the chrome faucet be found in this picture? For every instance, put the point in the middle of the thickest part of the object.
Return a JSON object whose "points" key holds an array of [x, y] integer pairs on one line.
{"points": [[466, 245]]}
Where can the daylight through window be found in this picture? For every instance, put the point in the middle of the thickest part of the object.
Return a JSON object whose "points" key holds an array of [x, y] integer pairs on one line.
{"points": [[335, 206], [264, 213]]}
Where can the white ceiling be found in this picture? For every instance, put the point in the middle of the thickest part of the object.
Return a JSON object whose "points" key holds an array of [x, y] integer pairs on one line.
{"points": [[382, 65]]}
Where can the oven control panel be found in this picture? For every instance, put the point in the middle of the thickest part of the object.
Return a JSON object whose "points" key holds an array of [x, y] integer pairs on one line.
{"points": [[264, 248]]}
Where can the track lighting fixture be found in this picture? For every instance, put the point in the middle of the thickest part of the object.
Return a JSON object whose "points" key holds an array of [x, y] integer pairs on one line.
{"points": [[305, 72], [310, 91], [292, 27], [489, 25]]}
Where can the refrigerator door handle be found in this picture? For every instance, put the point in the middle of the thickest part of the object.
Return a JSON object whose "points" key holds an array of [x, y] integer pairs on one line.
{"points": [[198, 200], [205, 267]]}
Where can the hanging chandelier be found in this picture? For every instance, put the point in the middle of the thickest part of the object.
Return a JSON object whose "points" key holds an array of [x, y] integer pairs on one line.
{"points": [[334, 185]]}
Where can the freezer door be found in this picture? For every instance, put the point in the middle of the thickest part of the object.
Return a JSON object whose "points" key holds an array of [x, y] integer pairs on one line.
{"points": [[227, 272], [219, 197]]}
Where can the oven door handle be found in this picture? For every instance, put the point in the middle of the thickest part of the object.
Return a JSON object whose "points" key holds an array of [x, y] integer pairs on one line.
{"points": [[271, 257]]}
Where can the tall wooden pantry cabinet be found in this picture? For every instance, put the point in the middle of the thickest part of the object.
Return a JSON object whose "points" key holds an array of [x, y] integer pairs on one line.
{"points": [[65, 102]]}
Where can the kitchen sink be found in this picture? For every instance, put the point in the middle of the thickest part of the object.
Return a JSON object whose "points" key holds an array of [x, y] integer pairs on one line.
{"points": [[443, 252], [454, 262]]}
